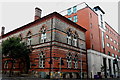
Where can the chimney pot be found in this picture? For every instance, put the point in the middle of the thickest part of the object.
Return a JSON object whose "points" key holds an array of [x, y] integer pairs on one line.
{"points": [[3, 30], [37, 13]]}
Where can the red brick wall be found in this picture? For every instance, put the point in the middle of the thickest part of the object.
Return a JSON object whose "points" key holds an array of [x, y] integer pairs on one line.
{"points": [[84, 20], [112, 34], [56, 52]]}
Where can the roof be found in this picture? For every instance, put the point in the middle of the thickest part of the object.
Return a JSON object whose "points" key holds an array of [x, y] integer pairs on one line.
{"points": [[99, 9], [41, 19], [112, 29]]}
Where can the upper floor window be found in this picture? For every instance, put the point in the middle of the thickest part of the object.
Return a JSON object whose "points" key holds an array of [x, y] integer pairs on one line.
{"points": [[101, 17], [107, 36], [75, 42], [70, 18], [29, 38], [74, 9], [102, 24], [75, 18], [115, 49], [111, 39], [69, 60], [20, 36], [96, 9], [108, 44], [115, 41], [91, 35], [69, 11], [90, 25], [69, 36], [75, 39], [112, 47], [118, 50], [43, 35], [42, 60]]}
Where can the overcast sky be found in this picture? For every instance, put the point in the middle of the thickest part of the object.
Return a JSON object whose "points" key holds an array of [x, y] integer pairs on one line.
{"points": [[16, 14]]}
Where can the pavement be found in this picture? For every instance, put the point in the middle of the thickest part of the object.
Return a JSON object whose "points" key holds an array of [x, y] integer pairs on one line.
{"points": [[27, 78]]}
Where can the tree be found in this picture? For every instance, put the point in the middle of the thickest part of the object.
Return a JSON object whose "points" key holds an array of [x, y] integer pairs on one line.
{"points": [[15, 49]]}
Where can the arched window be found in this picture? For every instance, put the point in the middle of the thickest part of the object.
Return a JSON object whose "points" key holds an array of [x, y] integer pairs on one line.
{"points": [[6, 65], [43, 35], [29, 38], [14, 64], [75, 39], [69, 36], [69, 60], [76, 61], [42, 59], [20, 36]]}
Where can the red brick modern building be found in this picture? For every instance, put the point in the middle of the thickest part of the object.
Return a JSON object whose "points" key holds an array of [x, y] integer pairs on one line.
{"points": [[58, 47], [101, 39]]}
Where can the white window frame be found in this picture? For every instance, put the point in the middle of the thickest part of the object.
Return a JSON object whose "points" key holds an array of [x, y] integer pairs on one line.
{"points": [[107, 36], [115, 42], [112, 47], [76, 64], [111, 39], [74, 9], [69, 11], [75, 42], [6, 65], [29, 41], [43, 37], [69, 64], [41, 61], [75, 18], [69, 39], [108, 45]]}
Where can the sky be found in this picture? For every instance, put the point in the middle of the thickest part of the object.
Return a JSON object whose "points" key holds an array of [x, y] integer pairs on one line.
{"points": [[15, 14]]}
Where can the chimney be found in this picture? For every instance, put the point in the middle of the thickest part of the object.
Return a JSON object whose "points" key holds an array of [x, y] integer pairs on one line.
{"points": [[37, 13], [2, 31]]}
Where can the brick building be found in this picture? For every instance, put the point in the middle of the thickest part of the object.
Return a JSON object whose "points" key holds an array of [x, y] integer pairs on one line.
{"points": [[58, 47], [101, 39]]}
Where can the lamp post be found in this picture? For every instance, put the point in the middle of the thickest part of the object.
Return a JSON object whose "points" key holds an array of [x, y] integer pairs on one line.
{"points": [[81, 60]]}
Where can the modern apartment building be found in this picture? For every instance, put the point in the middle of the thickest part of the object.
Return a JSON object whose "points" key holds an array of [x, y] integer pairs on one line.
{"points": [[101, 39]]}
